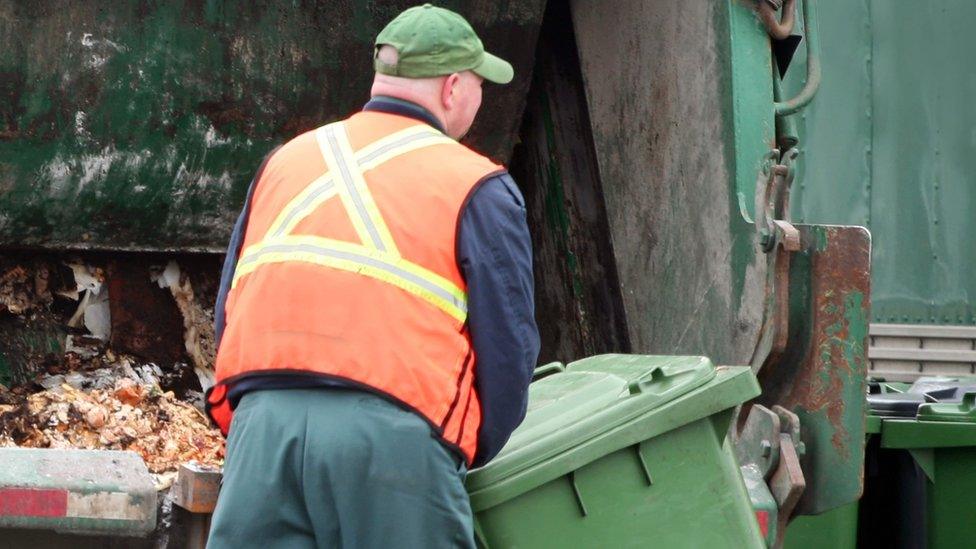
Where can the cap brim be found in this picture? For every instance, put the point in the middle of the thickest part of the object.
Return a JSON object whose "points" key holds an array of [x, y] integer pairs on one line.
{"points": [[495, 69]]}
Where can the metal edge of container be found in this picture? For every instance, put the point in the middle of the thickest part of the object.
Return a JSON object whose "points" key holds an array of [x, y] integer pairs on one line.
{"points": [[732, 386], [912, 434], [76, 491]]}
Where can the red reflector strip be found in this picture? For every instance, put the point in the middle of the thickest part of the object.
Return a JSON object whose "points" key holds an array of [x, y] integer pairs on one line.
{"points": [[27, 502], [763, 518]]}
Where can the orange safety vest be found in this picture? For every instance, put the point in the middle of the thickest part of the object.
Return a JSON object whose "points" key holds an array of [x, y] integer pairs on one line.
{"points": [[349, 270]]}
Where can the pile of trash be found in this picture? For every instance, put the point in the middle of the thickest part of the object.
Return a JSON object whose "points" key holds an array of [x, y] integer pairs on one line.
{"points": [[111, 402], [78, 376]]}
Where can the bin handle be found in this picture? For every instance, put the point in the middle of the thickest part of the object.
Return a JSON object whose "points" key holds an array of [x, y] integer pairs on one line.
{"points": [[547, 370], [814, 72], [638, 385], [969, 401]]}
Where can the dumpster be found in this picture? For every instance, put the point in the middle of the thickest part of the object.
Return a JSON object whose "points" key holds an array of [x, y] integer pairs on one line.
{"points": [[870, 517], [942, 439], [920, 471], [621, 450]]}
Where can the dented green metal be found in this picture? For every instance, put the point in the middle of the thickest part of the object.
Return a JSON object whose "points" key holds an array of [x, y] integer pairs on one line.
{"points": [[137, 126]]}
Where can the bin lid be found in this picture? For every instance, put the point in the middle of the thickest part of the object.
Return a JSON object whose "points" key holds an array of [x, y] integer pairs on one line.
{"points": [[665, 377], [960, 412], [943, 389], [590, 404], [561, 400], [895, 404], [878, 385]]}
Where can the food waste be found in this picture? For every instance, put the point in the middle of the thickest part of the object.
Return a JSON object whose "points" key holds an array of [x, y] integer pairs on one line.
{"points": [[116, 407], [91, 396]]}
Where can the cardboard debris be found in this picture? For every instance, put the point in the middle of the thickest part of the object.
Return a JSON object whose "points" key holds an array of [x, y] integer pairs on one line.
{"points": [[198, 322], [93, 308]]}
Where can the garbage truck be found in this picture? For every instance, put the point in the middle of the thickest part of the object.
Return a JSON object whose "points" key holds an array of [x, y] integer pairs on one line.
{"points": [[696, 178]]}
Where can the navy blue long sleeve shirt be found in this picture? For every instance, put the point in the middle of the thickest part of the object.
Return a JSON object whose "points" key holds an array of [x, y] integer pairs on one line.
{"points": [[494, 251]]}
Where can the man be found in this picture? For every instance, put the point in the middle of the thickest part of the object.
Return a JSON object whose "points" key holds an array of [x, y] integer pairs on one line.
{"points": [[375, 322]]}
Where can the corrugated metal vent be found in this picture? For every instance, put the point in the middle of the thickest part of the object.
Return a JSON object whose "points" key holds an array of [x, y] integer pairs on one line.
{"points": [[904, 352]]}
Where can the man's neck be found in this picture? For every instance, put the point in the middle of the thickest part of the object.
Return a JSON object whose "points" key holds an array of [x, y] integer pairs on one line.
{"points": [[404, 107]]}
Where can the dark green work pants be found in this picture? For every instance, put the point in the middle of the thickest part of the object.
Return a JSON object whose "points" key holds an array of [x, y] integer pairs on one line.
{"points": [[337, 468]]}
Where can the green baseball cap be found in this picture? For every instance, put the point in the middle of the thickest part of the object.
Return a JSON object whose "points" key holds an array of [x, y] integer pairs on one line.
{"points": [[433, 41]]}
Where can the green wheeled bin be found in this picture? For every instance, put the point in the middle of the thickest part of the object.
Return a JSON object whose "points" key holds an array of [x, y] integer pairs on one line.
{"points": [[839, 528], [621, 451], [835, 529], [942, 441]]}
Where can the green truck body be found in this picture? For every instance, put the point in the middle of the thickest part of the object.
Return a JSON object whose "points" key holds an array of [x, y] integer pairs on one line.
{"points": [[653, 143]]}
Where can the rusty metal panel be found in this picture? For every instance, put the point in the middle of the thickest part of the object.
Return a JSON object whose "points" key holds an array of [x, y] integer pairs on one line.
{"points": [[821, 374], [136, 125]]}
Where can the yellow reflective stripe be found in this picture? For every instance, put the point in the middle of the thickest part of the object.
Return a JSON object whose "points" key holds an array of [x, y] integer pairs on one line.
{"points": [[366, 206], [368, 158], [397, 138], [324, 137], [311, 197], [445, 285], [346, 256], [419, 142]]}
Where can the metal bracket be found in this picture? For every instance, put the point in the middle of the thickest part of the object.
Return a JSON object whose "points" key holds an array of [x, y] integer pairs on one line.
{"points": [[757, 441], [790, 424], [779, 238], [196, 487], [820, 373], [773, 216], [769, 441], [787, 235], [787, 483], [196, 490]]}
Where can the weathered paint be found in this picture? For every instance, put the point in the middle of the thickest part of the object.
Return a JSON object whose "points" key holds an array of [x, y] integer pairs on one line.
{"points": [[752, 97], [138, 125], [80, 491], [888, 143], [659, 90], [821, 374]]}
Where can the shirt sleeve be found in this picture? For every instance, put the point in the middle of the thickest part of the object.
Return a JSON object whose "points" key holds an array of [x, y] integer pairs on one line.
{"points": [[233, 252], [495, 255]]}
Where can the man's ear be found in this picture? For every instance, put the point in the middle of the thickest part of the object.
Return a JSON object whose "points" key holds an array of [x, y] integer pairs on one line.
{"points": [[447, 90]]}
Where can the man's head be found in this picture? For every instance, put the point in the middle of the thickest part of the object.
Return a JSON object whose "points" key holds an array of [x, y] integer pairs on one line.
{"points": [[433, 57]]}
